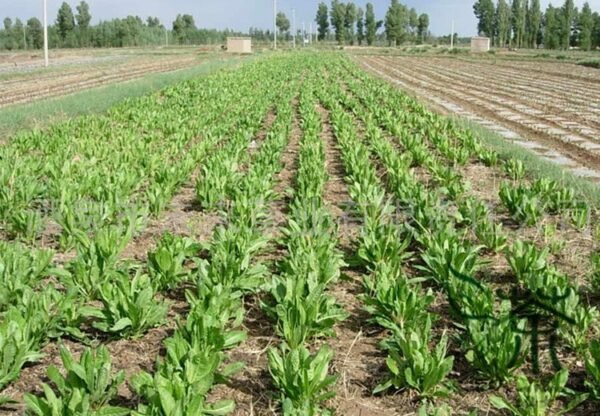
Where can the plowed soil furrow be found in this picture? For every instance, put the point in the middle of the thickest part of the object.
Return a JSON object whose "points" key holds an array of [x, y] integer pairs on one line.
{"points": [[534, 74], [549, 141], [69, 84], [560, 71], [251, 387], [358, 359], [492, 100], [546, 101]]}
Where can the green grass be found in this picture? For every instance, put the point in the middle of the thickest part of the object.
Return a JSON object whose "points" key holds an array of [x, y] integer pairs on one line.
{"points": [[536, 166], [591, 63], [42, 113]]}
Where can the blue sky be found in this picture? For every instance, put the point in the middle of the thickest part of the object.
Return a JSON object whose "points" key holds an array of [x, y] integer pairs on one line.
{"points": [[241, 14]]}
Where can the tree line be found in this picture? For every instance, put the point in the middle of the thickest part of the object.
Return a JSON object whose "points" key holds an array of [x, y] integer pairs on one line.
{"points": [[351, 25], [523, 24], [72, 29]]}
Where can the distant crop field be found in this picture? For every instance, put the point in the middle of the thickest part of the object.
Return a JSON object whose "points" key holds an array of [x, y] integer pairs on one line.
{"points": [[552, 108], [22, 79], [295, 236]]}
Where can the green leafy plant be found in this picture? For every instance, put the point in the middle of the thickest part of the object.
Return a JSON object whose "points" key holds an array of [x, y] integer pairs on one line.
{"points": [[26, 224], [444, 253], [595, 278], [87, 388], [178, 394], [523, 204], [495, 345], [413, 365], [515, 169], [488, 157], [526, 259], [302, 379], [166, 262], [304, 310], [491, 235], [96, 261], [534, 399], [592, 366], [129, 307], [18, 346], [395, 302], [580, 215]]}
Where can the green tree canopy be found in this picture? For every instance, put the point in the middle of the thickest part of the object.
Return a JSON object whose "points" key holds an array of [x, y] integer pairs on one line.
{"points": [[83, 15], [484, 11], [360, 25], [65, 21], [566, 20], [586, 27], [396, 22], [502, 23], [534, 22], [551, 28], [35, 33], [338, 19], [423, 27], [349, 22], [371, 24], [183, 27], [282, 22], [322, 21]]}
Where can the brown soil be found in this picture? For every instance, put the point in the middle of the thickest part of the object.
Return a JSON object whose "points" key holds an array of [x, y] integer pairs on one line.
{"points": [[425, 84], [15, 92], [573, 259], [251, 388]]}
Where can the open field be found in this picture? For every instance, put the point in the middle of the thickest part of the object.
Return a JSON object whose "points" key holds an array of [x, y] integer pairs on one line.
{"points": [[551, 108], [286, 237], [25, 82]]}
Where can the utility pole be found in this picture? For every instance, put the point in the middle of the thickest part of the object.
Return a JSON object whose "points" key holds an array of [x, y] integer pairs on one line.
{"points": [[166, 37], [310, 33], [452, 36], [294, 27], [24, 37], [274, 24], [45, 33]]}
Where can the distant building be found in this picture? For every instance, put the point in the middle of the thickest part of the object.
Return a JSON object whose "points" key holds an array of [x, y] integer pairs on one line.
{"points": [[480, 44], [239, 45]]}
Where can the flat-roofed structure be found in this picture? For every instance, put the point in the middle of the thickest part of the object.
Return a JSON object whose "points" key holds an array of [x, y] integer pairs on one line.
{"points": [[239, 45], [480, 44]]}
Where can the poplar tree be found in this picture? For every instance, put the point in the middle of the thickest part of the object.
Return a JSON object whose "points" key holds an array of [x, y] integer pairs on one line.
{"points": [[502, 23], [518, 22], [484, 11], [534, 22], [371, 24], [65, 21], [423, 27], [568, 15], [586, 27], [396, 21], [338, 19], [322, 21], [360, 25]]}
